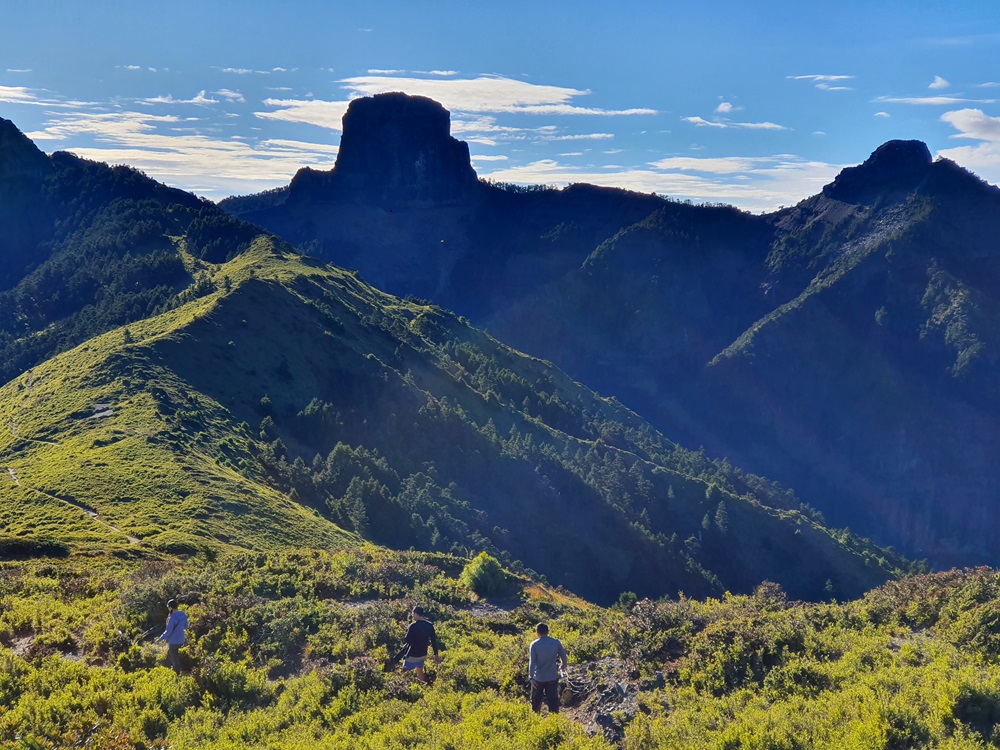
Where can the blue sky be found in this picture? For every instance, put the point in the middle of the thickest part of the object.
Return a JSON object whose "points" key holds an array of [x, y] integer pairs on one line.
{"points": [[757, 104]]}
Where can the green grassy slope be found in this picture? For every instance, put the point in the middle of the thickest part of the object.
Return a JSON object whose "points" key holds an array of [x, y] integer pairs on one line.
{"points": [[291, 401], [108, 444]]}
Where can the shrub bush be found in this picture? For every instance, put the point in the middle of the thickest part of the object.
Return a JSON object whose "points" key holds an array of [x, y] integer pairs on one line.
{"points": [[484, 575]]}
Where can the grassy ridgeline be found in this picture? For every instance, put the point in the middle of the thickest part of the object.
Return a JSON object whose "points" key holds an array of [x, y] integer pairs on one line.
{"points": [[287, 651]]}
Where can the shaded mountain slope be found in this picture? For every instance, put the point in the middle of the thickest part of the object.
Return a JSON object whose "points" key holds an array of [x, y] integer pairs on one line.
{"points": [[403, 206], [842, 346], [293, 400], [85, 247], [855, 345]]}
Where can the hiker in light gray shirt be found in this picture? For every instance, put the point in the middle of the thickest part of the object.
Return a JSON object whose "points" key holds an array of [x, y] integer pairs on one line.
{"points": [[546, 664], [177, 623]]}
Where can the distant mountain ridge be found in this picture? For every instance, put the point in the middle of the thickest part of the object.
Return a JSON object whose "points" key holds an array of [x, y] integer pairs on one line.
{"points": [[841, 346], [179, 382]]}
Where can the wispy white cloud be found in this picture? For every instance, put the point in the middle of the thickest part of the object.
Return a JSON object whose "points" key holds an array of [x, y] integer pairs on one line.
{"points": [[18, 70], [701, 122], [398, 72], [495, 94], [309, 111], [580, 137], [725, 108], [825, 82], [233, 96], [200, 98], [820, 78], [18, 95], [720, 165], [931, 100], [988, 85], [147, 141], [938, 83], [756, 184], [886, 115], [35, 97]]}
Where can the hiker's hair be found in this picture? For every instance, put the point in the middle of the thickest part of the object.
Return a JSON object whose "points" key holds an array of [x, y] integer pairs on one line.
{"points": [[418, 610], [172, 604], [542, 629]]}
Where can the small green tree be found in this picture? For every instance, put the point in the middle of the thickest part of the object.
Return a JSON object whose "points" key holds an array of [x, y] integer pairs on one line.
{"points": [[484, 575]]}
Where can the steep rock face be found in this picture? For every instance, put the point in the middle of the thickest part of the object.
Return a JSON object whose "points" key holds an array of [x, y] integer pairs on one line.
{"points": [[395, 149], [896, 165], [843, 346]]}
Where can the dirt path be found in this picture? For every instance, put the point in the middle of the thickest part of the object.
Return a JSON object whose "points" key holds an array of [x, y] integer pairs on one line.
{"points": [[101, 410], [89, 511]]}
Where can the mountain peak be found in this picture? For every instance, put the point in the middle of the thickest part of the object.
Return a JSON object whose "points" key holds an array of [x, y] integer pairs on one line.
{"points": [[395, 148], [893, 165], [19, 157]]}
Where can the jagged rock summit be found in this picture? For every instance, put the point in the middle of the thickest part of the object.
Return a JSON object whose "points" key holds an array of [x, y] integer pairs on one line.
{"points": [[396, 148], [894, 164]]}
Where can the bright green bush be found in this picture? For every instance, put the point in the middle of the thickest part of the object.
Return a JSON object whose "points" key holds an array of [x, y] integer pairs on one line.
{"points": [[484, 575], [288, 650]]}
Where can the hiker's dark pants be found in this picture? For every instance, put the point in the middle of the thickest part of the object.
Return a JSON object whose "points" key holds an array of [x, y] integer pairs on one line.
{"points": [[174, 656], [547, 690]]}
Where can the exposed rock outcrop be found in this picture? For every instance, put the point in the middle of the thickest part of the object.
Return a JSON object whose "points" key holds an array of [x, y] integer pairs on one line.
{"points": [[395, 149], [893, 165]]}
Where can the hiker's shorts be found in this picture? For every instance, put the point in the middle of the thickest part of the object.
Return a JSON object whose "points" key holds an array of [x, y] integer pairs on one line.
{"points": [[412, 662]]}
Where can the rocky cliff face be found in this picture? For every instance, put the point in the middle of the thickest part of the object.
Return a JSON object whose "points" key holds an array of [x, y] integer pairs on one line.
{"points": [[852, 337], [395, 149], [895, 165]]}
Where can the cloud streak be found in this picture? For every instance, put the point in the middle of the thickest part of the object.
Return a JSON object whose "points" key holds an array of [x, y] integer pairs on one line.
{"points": [[930, 101], [224, 166], [492, 94], [766, 183], [701, 122], [200, 98], [824, 82], [323, 114]]}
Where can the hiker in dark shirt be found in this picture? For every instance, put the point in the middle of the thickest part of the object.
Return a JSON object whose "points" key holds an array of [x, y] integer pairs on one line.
{"points": [[546, 664], [419, 635]]}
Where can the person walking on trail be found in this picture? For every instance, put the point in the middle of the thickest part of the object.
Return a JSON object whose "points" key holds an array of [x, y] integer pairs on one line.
{"points": [[546, 664], [177, 623], [419, 635]]}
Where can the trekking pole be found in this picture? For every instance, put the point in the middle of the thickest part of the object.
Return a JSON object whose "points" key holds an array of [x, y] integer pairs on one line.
{"points": [[141, 637]]}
